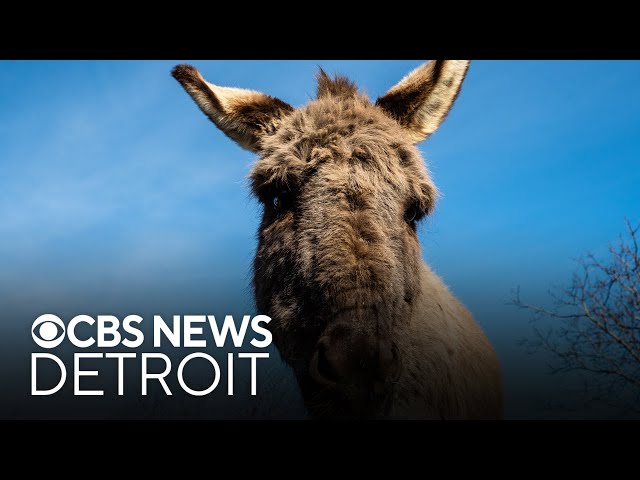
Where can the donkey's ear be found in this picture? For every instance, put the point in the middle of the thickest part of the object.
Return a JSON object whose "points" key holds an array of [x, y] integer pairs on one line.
{"points": [[422, 99], [245, 116]]}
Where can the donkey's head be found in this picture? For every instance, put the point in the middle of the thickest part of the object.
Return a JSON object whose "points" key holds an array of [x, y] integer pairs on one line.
{"points": [[342, 185]]}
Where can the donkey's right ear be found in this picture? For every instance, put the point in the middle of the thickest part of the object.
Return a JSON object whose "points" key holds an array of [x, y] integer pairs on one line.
{"points": [[245, 116], [422, 99]]}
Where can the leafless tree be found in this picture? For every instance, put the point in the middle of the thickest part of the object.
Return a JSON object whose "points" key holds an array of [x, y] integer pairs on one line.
{"points": [[593, 326]]}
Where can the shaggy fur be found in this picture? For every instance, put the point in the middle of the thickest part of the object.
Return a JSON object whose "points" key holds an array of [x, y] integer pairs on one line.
{"points": [[367, 327]]}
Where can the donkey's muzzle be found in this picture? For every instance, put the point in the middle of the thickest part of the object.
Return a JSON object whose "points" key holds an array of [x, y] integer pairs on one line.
{"points": [[355, 362]]}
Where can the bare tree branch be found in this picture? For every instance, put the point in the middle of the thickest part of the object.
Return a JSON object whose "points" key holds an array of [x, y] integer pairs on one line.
{"points": [[594, 324]]}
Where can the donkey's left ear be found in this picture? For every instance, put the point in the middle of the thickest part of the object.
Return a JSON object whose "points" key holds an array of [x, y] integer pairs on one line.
{"points": [[245, 116], [422, 99]]}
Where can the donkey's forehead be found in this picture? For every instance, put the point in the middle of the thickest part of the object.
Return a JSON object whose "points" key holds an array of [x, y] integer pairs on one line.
{"points": [[339, 129], [331, 132]]}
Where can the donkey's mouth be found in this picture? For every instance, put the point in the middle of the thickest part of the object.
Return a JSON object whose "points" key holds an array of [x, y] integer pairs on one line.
{"points": [[355, 363], [349, 401]]}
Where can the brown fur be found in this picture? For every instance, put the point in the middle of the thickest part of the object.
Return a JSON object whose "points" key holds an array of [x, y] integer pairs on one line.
{"points": [[340, 271]]}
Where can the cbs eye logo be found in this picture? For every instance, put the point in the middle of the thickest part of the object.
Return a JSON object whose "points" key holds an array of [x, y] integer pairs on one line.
{"points": [[48, 331]]}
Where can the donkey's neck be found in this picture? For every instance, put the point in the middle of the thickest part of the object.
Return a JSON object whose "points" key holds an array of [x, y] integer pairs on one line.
{"points": [[450, 369]]}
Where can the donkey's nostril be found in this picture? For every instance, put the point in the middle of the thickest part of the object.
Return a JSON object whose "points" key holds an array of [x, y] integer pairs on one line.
{"points": [[324, 367]]}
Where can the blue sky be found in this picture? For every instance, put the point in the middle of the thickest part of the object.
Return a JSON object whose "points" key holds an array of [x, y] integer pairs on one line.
{"points": [[114, 185]]}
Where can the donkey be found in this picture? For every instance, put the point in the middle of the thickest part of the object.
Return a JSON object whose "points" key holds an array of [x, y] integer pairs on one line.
{"points": [[367, 327]]}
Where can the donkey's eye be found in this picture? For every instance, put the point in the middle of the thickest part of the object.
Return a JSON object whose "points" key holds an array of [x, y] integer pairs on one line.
{"points": [[412, 214], [282, 200]]}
